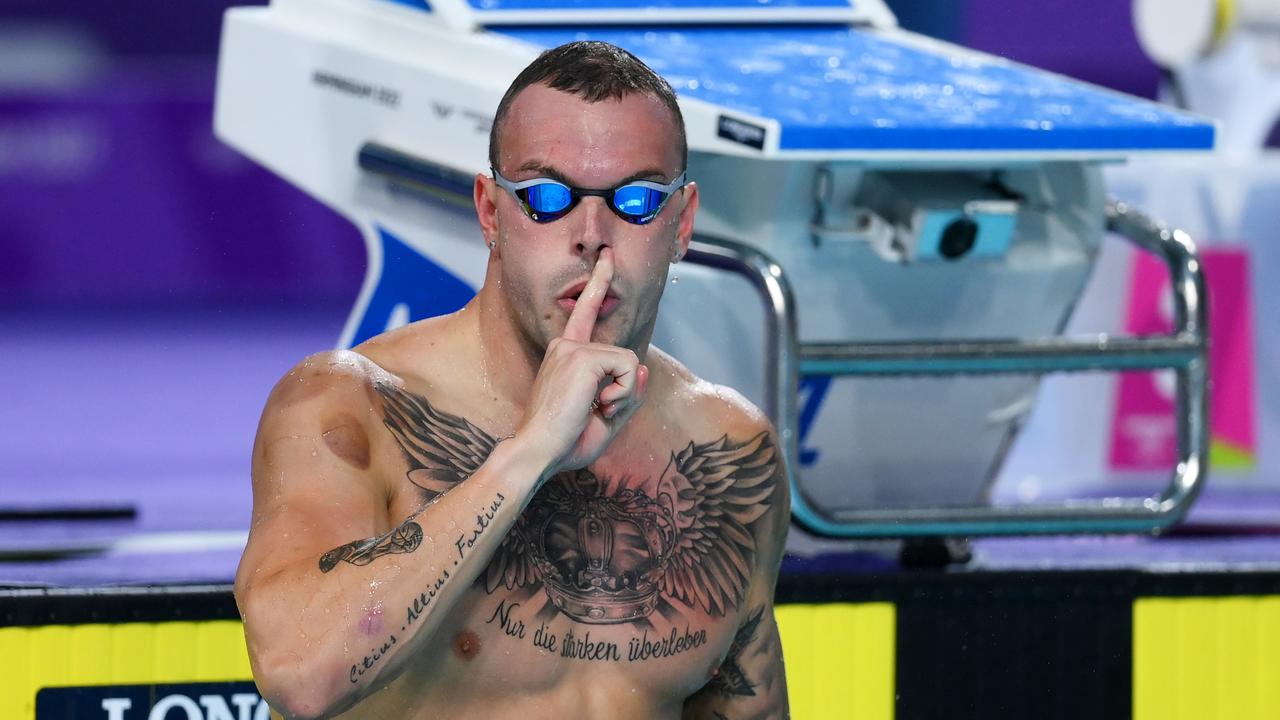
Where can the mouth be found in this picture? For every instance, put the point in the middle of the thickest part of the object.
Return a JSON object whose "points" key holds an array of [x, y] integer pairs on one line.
{"points": [[568, 299]]}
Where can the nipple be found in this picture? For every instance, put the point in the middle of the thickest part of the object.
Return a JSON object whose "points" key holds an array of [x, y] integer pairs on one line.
{"points": [[466, 645]]}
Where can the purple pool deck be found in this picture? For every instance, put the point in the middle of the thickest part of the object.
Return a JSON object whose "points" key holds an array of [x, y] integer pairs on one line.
{"points": [[156, 409], [153, 408]]}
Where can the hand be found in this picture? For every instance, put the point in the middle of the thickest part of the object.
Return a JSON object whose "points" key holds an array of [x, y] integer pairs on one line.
{"points": [[584, 392]]}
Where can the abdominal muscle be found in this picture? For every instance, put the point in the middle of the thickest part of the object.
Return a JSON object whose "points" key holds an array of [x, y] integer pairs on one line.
{"points": [[493, 660]]}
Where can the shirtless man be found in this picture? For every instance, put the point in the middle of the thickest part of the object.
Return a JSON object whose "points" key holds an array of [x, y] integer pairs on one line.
{"points": [[476, 516]]}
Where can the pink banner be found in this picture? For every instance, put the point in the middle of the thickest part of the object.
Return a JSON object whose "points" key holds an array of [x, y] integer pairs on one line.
{"points": [[1143, 431]]}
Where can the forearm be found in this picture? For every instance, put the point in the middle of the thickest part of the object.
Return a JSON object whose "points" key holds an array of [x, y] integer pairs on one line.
{"points": [[360, 623]]}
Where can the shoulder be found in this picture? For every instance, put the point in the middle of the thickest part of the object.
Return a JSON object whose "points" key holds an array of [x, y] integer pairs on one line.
{"points": [[721, 420], [707, 406], [329, 377], [336, 396], [733, 439], [345, 376], [325, 419]]}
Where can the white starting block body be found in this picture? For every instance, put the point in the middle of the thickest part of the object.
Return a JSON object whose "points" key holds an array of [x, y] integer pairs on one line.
{"points": [[909, 189]]}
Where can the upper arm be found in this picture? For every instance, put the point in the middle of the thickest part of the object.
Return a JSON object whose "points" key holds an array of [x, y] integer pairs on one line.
{"points": [[313, 482], [751, 681]]}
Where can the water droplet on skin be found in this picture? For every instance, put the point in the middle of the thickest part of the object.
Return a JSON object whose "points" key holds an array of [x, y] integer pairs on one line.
{"points": [[675, 279]]}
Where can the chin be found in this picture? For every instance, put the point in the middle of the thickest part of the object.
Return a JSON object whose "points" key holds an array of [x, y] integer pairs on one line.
{"points": [[610, 333], [606, 336]]}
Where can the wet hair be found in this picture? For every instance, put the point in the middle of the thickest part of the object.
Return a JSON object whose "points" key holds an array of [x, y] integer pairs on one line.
{"points": [[593, 71]]}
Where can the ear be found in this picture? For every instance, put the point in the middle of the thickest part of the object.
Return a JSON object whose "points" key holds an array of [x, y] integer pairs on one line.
{"points": [[484, 195], [684, 232]]}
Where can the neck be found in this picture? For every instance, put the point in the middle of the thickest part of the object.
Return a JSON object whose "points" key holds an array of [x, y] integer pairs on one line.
{"points": [[508, 361]]}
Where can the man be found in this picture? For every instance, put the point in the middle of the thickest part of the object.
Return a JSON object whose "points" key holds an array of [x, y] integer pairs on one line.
{"points": [[523, 509]]}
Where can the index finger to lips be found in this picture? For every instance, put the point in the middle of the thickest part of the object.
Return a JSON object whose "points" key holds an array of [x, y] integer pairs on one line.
{"points": [[583, 318]]}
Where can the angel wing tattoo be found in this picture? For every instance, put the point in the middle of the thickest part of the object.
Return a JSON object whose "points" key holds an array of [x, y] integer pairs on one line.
{"points": [[442, 449], [718, 491], [605, 549]]}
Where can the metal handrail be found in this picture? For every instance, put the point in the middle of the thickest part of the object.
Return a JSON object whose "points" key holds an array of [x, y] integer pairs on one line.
{"points": [[1185, 351]]}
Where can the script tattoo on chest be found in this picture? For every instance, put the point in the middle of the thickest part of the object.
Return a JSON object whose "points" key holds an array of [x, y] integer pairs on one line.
{"points": [[602, 550], [575, 643]]}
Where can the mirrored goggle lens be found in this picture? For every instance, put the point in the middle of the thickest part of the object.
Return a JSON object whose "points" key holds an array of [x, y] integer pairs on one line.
{"points": [[638, 202], [548, 198]]}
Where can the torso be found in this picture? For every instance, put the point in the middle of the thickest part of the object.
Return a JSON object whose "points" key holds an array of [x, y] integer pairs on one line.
{"points": [[611, 597]]}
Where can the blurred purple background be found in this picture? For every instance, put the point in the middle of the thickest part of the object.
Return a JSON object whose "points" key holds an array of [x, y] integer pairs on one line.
{"points": [[114, 192]]}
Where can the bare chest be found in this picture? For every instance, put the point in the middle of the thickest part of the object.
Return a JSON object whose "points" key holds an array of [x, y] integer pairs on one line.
{"points": [[607, 579], [634, 571]]}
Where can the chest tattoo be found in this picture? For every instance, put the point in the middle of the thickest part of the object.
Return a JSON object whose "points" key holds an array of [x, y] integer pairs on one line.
{"points": [[600, 550]]}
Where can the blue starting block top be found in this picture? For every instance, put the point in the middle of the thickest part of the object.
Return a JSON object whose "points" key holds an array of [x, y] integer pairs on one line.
{"points": [[559, 13], [560, 5], [836, 88]]}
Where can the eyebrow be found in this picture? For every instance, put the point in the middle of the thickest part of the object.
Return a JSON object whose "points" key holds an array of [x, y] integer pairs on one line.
{"points": [[554, 174]]}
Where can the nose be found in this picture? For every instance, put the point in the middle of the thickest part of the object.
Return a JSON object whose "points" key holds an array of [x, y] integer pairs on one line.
{"points": [[595, 227]]}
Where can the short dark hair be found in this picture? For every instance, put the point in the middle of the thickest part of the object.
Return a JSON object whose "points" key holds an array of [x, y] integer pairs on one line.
{"points": [[594, 71]]}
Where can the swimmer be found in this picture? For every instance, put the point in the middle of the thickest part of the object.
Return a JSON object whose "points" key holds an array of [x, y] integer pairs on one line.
{"points": [[524, 509]]}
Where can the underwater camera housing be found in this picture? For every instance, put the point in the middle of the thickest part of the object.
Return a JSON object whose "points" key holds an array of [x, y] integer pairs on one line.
{"points": [[936, 216]]}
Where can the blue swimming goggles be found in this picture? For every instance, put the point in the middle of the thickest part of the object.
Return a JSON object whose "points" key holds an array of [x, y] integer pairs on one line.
{"points": [[545, 200]]}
